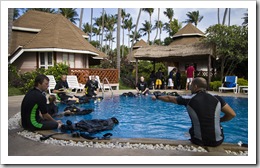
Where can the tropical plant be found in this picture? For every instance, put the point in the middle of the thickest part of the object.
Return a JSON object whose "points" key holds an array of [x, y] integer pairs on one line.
{"points": [[69, 13], [169, 13], [146, 30], [124, 17], [158, 25], [129, 25], [193, 17], [245, 23], [231, 44], [87, 28], [16, 13]]}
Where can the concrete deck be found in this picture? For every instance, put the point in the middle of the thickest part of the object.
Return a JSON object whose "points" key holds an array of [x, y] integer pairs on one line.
{"points": [[20, 146]]}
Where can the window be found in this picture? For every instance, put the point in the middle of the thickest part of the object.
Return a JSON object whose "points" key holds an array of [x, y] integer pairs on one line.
{"points": [[68, 59], [46, 59]]}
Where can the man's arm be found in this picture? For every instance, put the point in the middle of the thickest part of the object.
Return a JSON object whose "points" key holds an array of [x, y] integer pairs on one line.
{"points": [[166, 98], [229, 113]]}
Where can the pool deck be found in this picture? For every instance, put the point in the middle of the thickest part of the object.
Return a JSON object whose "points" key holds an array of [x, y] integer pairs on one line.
{"points": [[20, 146]]}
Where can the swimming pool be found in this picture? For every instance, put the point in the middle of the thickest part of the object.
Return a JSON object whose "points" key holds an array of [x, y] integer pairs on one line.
{"points": [[141, 117]]}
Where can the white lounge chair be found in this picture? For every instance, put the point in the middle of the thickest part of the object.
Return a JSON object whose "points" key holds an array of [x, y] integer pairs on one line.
{"points": [[230, 83], [52, 84], [74, 84], [100, 85]]}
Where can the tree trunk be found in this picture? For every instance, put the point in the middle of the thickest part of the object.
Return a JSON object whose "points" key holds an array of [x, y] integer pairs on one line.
{"points": [[224, 17], [81, 17], [101, 43], [137, 21], [157, 25], [229, 13], [131, 51], [118, 41], [218, 17], [91, 18]]}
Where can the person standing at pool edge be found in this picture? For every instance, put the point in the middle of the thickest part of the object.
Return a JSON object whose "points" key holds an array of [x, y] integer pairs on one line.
{"points": [[34, 114], [204, 111]]}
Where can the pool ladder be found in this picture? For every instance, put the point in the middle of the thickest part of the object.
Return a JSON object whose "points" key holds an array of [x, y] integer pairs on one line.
{"points": [[110, 88]]}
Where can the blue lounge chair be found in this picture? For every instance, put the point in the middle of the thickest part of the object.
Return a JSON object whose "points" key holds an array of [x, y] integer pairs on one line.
{"points": [[230, 83]]}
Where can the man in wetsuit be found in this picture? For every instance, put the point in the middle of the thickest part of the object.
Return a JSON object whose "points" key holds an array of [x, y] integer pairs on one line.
{"points": [[90, 88], [34, 110], [61, 90], [204, 111], [142, 86]]}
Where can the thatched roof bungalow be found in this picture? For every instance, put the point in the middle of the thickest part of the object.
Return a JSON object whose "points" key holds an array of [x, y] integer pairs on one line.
{"points": [[40, 39], [186, 48]]}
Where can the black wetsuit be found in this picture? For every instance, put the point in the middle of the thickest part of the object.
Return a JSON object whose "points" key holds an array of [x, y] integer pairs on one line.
{"points": [[90, 88], [142, 86], [33, 103], [59, 86], [204, 110]]}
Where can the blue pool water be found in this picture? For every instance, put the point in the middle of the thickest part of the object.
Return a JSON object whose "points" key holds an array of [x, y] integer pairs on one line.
{"points": [[141, 117]]}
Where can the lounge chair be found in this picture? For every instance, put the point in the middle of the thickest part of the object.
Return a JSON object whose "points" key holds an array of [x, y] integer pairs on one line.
{"points": [[100, 85], [230, 83], [52, 84], [74, 84]]}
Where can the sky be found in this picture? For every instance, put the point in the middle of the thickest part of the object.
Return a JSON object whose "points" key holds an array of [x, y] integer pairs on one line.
{"points": [[209, 18]]}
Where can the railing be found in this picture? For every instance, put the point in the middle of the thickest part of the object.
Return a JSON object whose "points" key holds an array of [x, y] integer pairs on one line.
{"points": [[83, 73], [110, 88]]}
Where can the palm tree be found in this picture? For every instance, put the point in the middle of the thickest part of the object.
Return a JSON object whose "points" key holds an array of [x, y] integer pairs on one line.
{"points": [[245, 23], [169, 13], [16, 13], [157, 25], [135, 36], [193, 17], [135, 32], [147, 28], [98, 23], [129, 25], [124, 17], [87, 28], [96, 32], [81, 17], [118, 40], [150, 12], [91, 18], [103, 22], [69, 13]]}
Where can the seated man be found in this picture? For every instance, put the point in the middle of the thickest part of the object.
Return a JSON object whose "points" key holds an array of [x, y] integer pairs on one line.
{"points": [[61, 89], [142, 87], [90, 88], [34, 113]]}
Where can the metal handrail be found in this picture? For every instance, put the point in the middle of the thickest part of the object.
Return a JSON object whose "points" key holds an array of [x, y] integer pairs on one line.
{"points": [[110, 88]]}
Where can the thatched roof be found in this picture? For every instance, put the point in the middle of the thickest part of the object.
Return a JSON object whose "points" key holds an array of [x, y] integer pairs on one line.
{"points": [[161, 53], [39, 30], [139, 44], [187, 35]]}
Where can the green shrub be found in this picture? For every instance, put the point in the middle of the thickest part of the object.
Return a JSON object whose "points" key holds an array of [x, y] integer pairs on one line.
{"points": [[215, 85], [242, 82], [26, 81]]}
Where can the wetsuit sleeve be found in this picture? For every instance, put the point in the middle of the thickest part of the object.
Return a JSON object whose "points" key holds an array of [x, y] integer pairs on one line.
{"points": [[183, 100], [222, 102]]}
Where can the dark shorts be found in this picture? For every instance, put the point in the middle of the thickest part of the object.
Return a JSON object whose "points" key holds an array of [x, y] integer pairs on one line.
{"points": [[49, 125]]}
